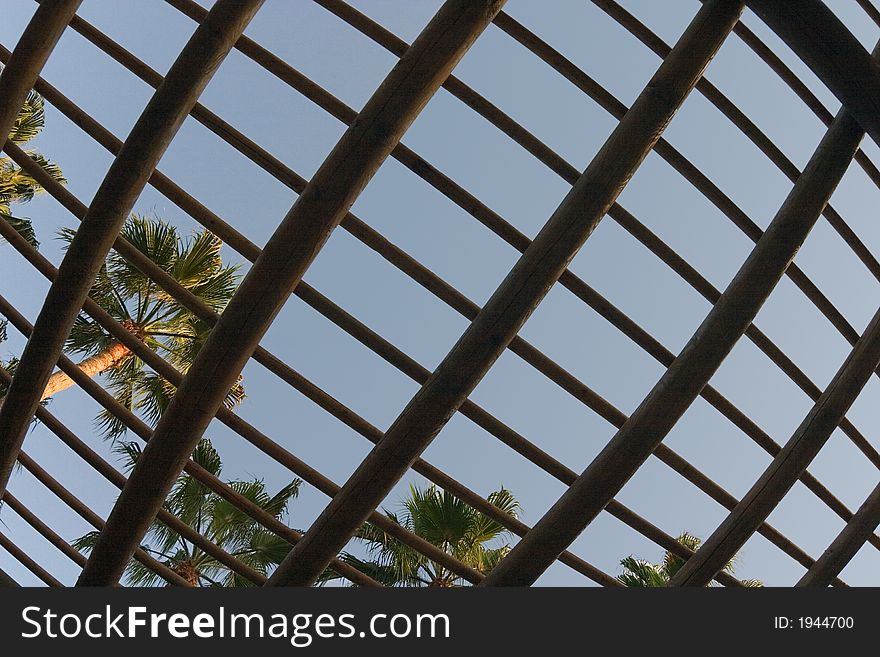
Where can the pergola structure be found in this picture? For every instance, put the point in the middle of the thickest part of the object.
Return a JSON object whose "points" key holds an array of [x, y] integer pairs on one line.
{"points": [[809, 27]]}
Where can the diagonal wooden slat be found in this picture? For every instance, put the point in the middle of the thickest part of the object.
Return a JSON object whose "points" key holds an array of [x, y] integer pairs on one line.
{"points": [[43, 529], [140, 429], [860, 525], [80, 508], [103, 467], [387, 351], [286, 374], [727, 107], [298, 467]]}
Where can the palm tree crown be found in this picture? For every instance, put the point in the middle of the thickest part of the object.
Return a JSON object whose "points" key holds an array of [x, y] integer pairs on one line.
{"points": [[213, 517], [443, 520], [644, 574], [17, 186], [156, 318]]}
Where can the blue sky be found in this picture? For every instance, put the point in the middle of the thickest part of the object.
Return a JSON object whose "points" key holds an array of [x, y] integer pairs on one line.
{"points": [[441, 235]]}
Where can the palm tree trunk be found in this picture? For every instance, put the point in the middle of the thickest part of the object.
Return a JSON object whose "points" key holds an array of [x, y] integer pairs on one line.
{"points": [[91, 367], [188, 571]]}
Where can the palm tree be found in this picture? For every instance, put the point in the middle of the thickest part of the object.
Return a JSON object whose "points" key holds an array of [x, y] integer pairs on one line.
{"points": [[16, 186], [644, 574], [213, 517], [443, 520], [156, 318]]}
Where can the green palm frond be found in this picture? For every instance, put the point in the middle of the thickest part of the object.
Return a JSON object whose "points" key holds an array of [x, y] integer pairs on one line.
{"points": [[22, 226], [385, 574], [487, 529], [30, 120], [442, 519], [190, 500], [19, 186], [437, 516], [86, 542], [137, 574], [151, 394], [641, 574], [108, 424], [9, 367], [278, 503], [214, 517], [160, 321], [16, 185], [86, 337], [263, 550], [207, 456]]}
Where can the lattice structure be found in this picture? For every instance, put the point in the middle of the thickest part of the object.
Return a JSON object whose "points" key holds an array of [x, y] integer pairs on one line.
{"points": [[324, 203]]}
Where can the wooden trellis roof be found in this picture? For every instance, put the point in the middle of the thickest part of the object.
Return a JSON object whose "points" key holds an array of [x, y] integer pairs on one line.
{"points": [[324, 204]]}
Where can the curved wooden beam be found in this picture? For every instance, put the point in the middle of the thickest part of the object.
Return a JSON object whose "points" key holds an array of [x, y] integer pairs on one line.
{"points": [[385, 350], [513, 302], [616, 108], [694, 366], [825, 44], [782, 473], [848, 542], [123, 183], [30, 55], [297, 241], [565, 170], [315, 394]]}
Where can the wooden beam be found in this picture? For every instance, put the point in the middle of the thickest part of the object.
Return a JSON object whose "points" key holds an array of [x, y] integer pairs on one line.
{"points": [[43, 529], [831, 51], [447, 293]]}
